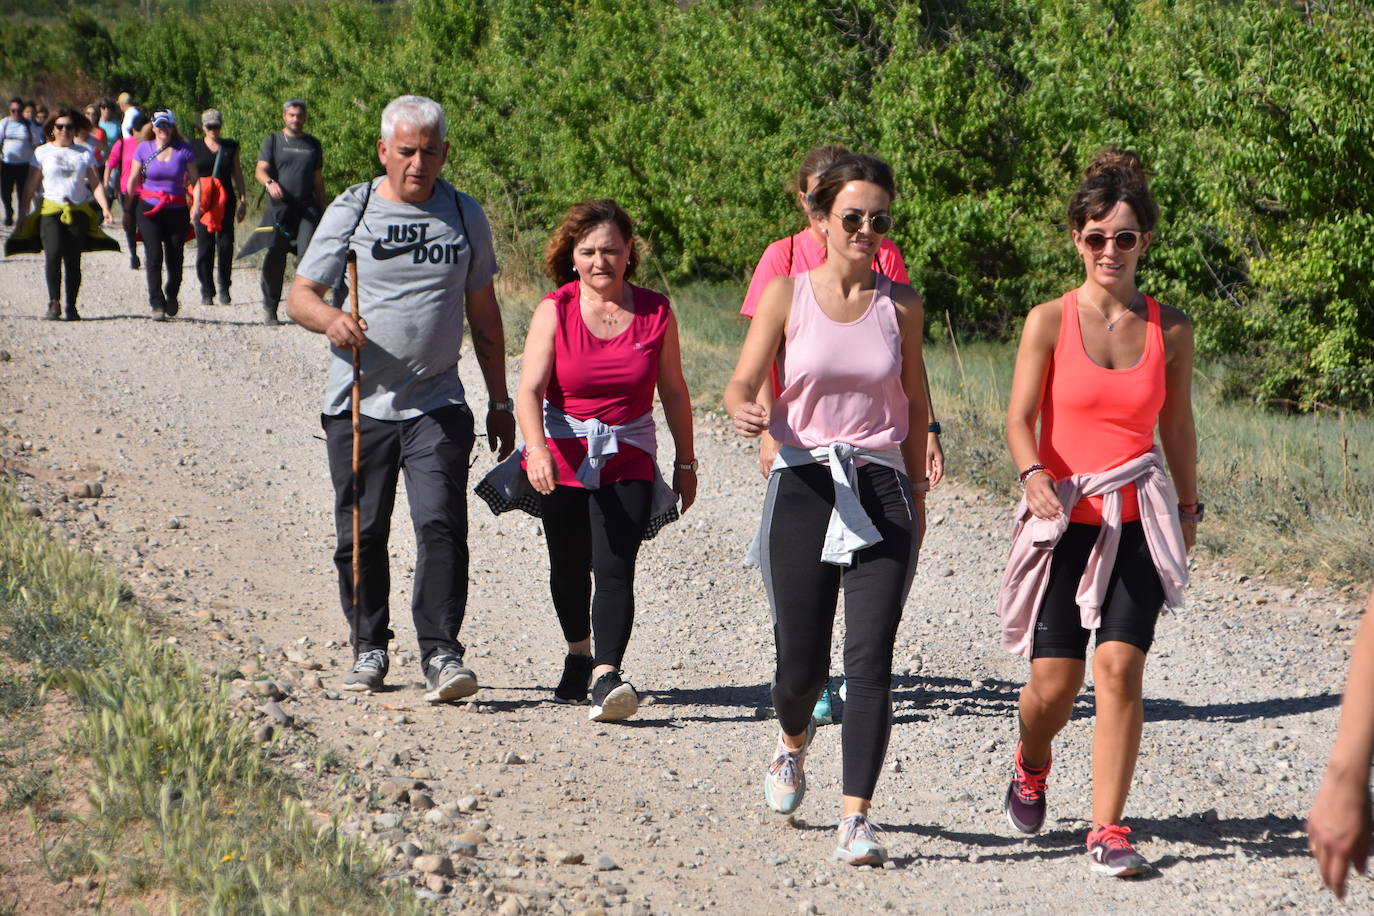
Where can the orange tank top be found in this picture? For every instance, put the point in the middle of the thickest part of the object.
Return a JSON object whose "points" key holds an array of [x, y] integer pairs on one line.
{"points": [[1094, 418]]}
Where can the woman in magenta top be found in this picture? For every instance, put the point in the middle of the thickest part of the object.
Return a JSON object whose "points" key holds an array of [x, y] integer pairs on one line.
{"points": [[840, 510], [597, 349], [163, 169], [1101, 368]]}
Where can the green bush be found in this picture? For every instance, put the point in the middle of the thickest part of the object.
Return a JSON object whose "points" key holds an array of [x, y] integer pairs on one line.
{"points": [[1253, 113]]}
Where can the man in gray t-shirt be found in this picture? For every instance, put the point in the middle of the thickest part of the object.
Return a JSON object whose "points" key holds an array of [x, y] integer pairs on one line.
{"points": [[425, 260]]}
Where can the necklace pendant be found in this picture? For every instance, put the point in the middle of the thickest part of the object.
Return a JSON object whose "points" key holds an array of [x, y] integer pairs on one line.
{"points": [[1110, 325]]}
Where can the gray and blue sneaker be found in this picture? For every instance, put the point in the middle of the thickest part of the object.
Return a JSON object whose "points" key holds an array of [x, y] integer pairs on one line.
{"points": [[858, 843], [823, 714], [784, 783], [448, 679], [369, 670]]}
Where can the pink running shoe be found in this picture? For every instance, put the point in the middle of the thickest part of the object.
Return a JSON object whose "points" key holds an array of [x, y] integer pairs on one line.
{"points": [[1110, 853], [1025, 803]]}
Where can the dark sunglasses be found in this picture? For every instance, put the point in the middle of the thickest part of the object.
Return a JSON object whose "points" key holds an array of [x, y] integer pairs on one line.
{"points": [[63, 125], [213, 126], [1126, 240], [878, 222]]}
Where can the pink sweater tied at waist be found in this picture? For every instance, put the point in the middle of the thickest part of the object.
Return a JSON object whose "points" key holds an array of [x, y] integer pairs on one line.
{"points": [[1033, 540]]}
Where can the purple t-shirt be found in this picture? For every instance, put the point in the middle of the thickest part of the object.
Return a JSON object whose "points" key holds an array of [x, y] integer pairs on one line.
{"points": [[165, 177]]}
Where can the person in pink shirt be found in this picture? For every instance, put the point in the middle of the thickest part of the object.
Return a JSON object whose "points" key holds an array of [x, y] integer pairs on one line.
{"points": [[597, 350], [791, 257], [119, 164], [841, 511]]}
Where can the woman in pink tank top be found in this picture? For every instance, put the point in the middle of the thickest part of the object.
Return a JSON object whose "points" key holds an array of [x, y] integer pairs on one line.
{"points": [[840, 510], [1101, 368], [598, 349]]}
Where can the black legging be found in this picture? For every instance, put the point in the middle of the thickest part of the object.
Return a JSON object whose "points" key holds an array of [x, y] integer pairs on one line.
{"points": [[129, 219], [214, 249], [13, 177], [62, 244], [596, 532], [164, 234], [803, 591]]}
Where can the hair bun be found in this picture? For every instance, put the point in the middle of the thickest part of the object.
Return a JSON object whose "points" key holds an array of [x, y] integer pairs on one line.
{"points": [[1116, 161]]}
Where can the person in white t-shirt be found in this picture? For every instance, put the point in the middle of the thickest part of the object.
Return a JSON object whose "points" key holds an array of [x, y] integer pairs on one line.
{"points": [[70, 181]]}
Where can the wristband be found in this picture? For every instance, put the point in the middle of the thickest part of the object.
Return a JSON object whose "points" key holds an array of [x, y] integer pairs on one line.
{"points": [[934, 427], [1193, 515], [508, 405]]}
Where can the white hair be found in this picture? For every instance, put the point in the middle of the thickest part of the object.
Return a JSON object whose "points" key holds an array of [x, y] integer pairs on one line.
{"points": [[414, 111]]}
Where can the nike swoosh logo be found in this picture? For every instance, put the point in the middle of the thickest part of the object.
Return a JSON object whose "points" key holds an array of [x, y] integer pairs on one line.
{"points": [[381, 253]]}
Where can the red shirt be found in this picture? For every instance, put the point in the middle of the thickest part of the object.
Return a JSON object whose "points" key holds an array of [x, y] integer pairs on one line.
{"points": [[612, 380]]}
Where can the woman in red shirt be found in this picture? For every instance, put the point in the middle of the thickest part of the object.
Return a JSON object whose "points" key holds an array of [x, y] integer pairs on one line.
{"points": [[1101, 368], [598, 348]]}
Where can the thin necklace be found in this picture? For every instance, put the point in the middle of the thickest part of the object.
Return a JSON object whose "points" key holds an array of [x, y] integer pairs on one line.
{"points": [[1110, 323]]}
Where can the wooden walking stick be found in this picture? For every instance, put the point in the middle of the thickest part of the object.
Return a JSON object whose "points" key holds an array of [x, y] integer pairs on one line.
{"points": [[357, 440]]}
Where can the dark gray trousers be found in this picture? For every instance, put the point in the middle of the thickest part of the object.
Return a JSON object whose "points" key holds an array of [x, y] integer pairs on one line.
{"points": [[433, 452]]}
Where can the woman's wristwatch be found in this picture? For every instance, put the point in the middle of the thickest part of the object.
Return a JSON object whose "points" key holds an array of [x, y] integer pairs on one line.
{"points": [[934, 427], [508, 405], [686, 465], [1191, 512]]}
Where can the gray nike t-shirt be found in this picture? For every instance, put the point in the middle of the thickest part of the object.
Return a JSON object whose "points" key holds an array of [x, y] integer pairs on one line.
{"points": [[416, 265]]}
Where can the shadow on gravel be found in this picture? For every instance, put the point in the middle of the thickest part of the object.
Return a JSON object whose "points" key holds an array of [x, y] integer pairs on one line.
{"points": [[1158, 710], [1267, 837], [744, 700]]}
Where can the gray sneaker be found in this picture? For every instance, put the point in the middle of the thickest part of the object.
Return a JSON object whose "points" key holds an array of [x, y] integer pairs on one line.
{"points": [[369, 670], [447, 678], [858, 842]]}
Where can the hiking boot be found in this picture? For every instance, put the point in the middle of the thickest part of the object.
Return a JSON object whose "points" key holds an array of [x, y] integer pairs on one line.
{"points": [[369, 670], [613, 699], [858, 844], [54, 310], [577, 675], [448, 679], [1025, 803], [823, 714], [72, 313], [784, 783], [1110, 853], [224, 297]]}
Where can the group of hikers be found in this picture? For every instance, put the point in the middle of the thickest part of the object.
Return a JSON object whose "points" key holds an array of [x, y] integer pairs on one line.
{"points": [[831, 381], [63, 173]]}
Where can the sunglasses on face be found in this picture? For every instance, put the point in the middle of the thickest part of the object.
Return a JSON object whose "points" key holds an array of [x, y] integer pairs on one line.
{"points": [[878, 222], [1125, 240], [212, 126], [62, 125]]}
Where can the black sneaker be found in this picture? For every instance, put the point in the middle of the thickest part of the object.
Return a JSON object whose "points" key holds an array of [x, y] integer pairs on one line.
{"points": [[54, 310], [207, 299], [173, 306], [269, 317], [369, 670], [1025, 803], [612, 699], [224, 298], [448, 679], [73, 314], [577, 675], [135, 263], [159, 314]]}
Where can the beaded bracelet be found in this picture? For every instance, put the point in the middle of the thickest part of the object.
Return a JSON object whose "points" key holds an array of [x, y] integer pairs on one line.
{"points": [[1030, 472]]}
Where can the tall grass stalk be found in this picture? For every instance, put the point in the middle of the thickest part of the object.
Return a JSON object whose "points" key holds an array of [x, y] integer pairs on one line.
{"points": [[181, 798]]}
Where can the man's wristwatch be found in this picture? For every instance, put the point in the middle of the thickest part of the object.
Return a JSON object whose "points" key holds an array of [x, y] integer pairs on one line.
{"points": [[508, 405], [686, 465], [934, 427]]}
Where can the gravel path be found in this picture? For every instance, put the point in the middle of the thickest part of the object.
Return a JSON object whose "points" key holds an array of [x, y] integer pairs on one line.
{"points": [[203, 434]]}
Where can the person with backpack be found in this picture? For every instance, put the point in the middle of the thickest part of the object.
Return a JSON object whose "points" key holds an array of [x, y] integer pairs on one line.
{"points": [[425, 262], [221, 175], [19, 137], [291, 170]]}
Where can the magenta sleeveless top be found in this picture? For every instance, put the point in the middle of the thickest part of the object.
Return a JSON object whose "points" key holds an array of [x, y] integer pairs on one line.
{"points": [[841, 382], [613, 380]]}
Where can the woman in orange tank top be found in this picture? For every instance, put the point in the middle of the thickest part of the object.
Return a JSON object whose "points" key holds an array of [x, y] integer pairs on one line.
{"points": [[1100, 368]]}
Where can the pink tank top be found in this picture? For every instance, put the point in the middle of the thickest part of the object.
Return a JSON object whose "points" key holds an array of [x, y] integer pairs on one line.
{"points": [[1094, 419], [841, 382], [613, 380]]}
